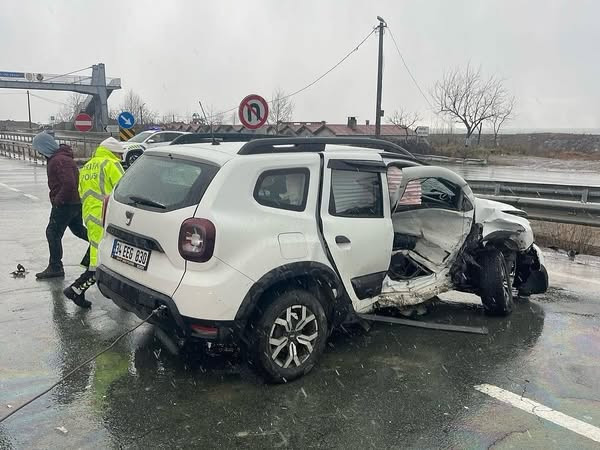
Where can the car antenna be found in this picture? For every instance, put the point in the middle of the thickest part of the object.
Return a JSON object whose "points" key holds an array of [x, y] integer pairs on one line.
{"points": [[212, 134]]}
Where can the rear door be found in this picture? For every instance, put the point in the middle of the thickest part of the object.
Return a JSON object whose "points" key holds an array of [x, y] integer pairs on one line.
{"points": [[357, 226], [145, 214], [434, 206]]}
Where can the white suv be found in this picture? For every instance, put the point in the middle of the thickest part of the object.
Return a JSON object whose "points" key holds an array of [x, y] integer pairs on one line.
{"points": [[135, 146], [274, 242]]}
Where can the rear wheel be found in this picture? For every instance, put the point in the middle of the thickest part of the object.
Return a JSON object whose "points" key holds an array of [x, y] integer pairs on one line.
{"points": [[289, 337], [495, 284]]}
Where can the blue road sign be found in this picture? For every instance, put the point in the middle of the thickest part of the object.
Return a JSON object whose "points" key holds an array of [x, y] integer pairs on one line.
{"points": [[126, 120], [12, 75]]}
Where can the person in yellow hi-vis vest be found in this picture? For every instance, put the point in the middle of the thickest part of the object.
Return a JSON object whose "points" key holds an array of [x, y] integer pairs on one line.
{"points": [[97, 179]]}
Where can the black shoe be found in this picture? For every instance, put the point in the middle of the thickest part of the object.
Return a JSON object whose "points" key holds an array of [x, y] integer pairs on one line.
{"points": [[78, 299], [50, 272]]}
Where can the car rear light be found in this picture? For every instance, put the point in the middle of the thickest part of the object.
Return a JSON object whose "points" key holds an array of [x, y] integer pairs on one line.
{"points": [[197, 239], [104, 207]]}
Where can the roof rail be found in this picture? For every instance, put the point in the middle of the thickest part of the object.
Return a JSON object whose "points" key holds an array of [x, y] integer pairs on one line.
{"points": [[196, 138], [317, 144]]}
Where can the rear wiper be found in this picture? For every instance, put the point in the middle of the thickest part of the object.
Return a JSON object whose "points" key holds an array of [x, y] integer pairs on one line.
{"points": [[146, 201]]}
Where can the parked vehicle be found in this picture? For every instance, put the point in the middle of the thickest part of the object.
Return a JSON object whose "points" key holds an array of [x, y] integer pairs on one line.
{"points": [[274, 242], [135, 146]]}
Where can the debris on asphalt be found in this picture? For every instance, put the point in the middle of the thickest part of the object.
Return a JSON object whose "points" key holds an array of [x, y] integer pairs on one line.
{"points": [[63, 430], [20, 272], [429, 325]]}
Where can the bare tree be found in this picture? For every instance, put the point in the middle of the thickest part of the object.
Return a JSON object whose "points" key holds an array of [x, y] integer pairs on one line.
{"points": [[403, 120], [134, 103], [503, 113], [214, 116], [464, 96], [71, 108], [280, 110]]}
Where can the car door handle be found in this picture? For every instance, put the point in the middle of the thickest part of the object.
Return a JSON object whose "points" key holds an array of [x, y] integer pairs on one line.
{"points": [[342, 240]]}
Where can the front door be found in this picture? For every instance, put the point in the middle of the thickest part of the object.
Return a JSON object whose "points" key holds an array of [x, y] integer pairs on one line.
{"points": [[433, 208], [357, 225]]}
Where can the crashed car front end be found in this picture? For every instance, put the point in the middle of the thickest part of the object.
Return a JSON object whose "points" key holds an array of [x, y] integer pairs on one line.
{"points": [[507, 228]]}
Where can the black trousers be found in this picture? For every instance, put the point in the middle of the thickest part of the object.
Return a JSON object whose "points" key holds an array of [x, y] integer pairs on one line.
{"points": [[61, 218]]}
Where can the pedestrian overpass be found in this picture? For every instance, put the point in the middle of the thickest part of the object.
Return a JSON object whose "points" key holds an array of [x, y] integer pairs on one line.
{"points": [[97, 87]]}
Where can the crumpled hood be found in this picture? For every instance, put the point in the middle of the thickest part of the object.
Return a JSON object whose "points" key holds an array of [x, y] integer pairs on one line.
{"points": [[502, 221]]}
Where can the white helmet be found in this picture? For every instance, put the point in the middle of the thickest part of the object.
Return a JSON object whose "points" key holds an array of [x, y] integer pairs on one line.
{"points": [[113, 145]]}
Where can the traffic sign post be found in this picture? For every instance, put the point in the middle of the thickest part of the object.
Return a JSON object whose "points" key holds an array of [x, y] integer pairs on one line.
{"points": [[126, 120], [83, 122], [253, 111]]}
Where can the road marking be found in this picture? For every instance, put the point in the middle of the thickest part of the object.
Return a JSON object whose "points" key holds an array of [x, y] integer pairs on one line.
{"points": [[537, 409], [573, 277], [10, 188]]}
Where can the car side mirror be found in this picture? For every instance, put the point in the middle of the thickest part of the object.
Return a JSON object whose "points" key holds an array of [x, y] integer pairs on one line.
{"points": [[150, 141]]}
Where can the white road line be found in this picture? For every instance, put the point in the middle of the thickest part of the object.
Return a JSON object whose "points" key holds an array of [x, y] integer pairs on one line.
{"points": [[9, 187], [537, 409]]}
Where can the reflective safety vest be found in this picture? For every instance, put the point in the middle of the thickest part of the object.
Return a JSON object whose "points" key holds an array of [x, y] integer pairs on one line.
{"points": [[97, 179]]}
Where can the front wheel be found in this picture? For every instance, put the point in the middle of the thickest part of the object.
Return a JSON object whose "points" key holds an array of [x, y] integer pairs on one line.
{"points": [[495, 284], [289, 336], [132, 155]]}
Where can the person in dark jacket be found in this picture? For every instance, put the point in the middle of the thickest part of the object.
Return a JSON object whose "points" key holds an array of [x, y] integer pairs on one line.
{"points": [[63, 178]]}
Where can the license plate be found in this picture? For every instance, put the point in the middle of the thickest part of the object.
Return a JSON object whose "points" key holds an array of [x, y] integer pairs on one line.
{"points": [[131, 255]]}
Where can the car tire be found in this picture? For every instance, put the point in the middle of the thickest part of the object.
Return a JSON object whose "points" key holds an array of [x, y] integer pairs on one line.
{"points": [[132, 155], [289, 336], [495, 284]]}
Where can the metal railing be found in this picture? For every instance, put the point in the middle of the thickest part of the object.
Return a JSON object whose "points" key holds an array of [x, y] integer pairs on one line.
{"points": [[561, 203], [583, 194], [18, 144]]}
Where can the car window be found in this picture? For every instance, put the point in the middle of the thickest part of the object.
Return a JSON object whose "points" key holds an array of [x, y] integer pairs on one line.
{"points": [[431, 193], [283, 188], [168, 137], [172, 183], [141, 137], [159, 137], [356, 194]]}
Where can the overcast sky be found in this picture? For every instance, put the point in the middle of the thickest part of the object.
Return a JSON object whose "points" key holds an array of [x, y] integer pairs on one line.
{"points": [[173, 53]]}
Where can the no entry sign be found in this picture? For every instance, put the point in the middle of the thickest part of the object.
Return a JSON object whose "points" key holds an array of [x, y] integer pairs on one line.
{"points": [[83, 122], [253, 111]]}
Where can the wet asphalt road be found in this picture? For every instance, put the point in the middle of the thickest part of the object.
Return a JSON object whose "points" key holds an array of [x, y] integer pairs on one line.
{"points": [[390, 387]]}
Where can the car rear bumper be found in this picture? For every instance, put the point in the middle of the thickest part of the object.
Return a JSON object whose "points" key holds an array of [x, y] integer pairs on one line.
{"points": [[141, 301]]}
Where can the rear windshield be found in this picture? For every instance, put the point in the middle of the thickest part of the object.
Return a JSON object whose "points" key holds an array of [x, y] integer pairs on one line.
{"points": [[163, 183]]}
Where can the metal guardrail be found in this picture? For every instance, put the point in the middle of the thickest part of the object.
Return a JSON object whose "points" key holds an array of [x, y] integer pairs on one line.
{"points": [[18, 144], [550, 210], [583, 194], [548, 202]]}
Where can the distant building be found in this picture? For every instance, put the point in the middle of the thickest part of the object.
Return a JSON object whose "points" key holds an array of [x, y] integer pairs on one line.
{"points": [[307, 129]]}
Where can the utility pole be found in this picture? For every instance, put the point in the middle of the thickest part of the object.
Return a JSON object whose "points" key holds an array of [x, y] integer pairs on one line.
{"points": [[29, 109], [378, 111]]}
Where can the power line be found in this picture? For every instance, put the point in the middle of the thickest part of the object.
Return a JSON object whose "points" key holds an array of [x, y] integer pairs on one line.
{"points": [[319, 78], [68, 73], [408, 70], [57, 102], [355, 49]]}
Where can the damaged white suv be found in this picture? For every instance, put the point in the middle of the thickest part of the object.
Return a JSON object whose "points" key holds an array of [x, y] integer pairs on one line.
{"points": [[274, 242]]}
